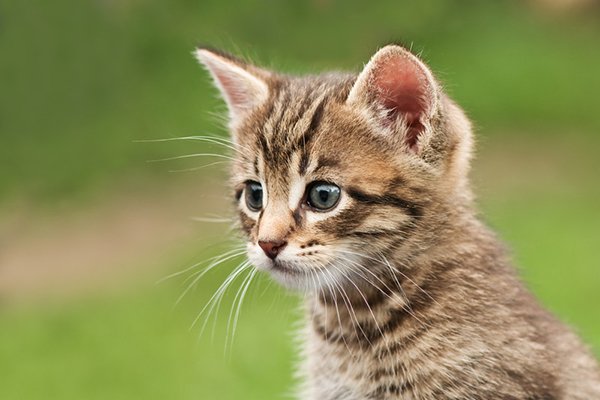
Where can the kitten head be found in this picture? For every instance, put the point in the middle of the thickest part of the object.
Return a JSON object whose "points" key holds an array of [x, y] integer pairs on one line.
{"points": [[336, 173]]}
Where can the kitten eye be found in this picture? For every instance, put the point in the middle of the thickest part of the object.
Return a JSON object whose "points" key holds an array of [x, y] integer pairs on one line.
{"points": [[323, 196], [253, 194]]}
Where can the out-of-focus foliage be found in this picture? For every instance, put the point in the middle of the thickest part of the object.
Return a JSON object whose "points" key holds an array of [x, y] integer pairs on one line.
{"points": [[81, 82]]}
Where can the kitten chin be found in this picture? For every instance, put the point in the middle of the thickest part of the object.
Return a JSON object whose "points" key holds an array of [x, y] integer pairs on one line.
{"points": [[354, 190]]}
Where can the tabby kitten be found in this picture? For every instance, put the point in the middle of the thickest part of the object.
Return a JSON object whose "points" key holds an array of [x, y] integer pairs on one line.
{"points": [[353, 189]]}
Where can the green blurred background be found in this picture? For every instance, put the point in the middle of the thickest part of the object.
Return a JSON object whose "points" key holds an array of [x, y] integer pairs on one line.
{"points": [[88, 225]]}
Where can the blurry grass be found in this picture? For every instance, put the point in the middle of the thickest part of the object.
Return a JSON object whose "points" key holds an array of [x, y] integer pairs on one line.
{"points": [[135, 345], [555, 246], [542, 196]]}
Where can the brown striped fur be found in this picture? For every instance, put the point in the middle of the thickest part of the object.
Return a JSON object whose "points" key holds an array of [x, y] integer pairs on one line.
{"points": [[408, 295]]}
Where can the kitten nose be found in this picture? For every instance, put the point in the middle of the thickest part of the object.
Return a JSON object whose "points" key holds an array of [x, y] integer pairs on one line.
{"points": [[272, 248]]}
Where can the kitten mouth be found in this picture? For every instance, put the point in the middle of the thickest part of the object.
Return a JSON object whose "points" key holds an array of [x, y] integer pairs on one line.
{"points": [[280, 267]]}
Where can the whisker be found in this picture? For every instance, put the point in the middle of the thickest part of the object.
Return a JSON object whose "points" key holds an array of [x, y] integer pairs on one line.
{"points": [[193, 156], [350, 304], [215, 308], [216, 220], [409, 309], [337, 312], [347, 303], [368, 307], [193, 266], [219, 293], [218, 140], [393, 273], [193, 169], [215, 261], [209, 139], [362, 267], [378, 327], [321, 293], [171, 139], [245, 286], [234, 304], [395, 269], [198, 275]]}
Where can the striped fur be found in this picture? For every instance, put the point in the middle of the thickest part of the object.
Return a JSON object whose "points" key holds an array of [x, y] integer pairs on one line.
{"points": [[408, 295]]}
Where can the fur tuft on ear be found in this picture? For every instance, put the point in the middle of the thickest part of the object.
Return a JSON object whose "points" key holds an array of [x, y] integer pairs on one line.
{"points": [[242, 86], [400, 89]]}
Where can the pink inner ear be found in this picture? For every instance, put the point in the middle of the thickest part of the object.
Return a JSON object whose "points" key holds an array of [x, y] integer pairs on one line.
{"points": [[238, 96], [402, 85]]}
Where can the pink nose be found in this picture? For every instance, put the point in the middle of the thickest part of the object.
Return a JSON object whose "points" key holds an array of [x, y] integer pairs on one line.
{"points": [[272, 248]]}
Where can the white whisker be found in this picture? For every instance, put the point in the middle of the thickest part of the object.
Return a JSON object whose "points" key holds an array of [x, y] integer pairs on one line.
{"points": [[193, 266], [219, 293], [395, 269], [347, 303], [337, 312], [245, 285], [409, 309], [200, 274], [193, 169], [209, 139], [193, 156]]}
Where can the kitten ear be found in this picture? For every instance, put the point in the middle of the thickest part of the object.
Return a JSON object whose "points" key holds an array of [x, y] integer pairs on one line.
{"points": [[242, 86], [400, 90]]}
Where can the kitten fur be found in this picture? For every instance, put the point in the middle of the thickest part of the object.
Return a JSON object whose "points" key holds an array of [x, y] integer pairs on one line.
{"points": [[408, 294]]}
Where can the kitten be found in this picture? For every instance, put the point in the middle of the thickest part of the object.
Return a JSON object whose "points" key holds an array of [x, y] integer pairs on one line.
{"points": [[354, 190]]}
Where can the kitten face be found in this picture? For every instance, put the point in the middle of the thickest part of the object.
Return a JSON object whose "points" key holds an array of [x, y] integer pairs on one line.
{"points": [[333, 171], [292, 164]]}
